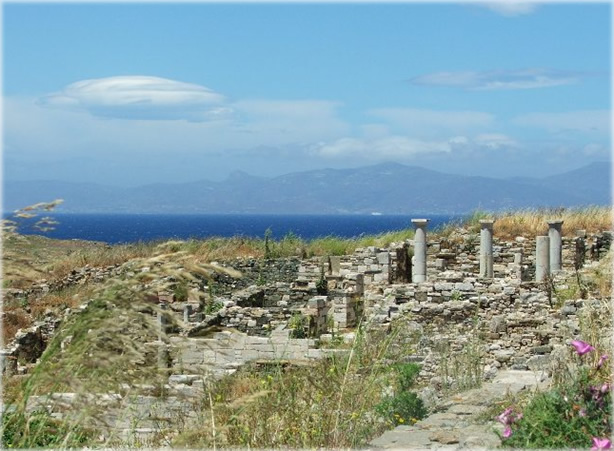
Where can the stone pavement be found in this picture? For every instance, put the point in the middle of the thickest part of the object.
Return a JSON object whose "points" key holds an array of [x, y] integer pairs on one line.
{"points": [[457, 425]]}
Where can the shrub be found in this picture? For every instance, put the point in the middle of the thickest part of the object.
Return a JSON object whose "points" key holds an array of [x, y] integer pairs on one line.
{"points": [[404, 407], [180, 291], [574, 414], [298, 325]]}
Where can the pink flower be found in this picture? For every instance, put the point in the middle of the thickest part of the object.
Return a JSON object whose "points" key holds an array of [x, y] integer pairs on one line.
{"points": [[504, 418], [601, 443], [602, 359], [604, 388], [507, 433], [582, 412], [582, 347]]}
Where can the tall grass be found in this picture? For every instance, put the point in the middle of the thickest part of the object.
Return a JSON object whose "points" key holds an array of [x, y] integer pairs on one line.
{"points": [[336, 402], [533, 222], [110, 344]]}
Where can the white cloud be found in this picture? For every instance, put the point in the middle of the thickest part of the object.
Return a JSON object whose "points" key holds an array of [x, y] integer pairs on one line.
{"points": [[400, 147], [429, 124], [495, 141], [499, 79], [459, 140], [595, 122], [140, 97], [510, 8], [405, 147], [254, 124]]}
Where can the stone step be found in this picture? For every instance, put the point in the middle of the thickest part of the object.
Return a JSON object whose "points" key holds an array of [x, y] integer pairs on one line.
{"points": [[456, 425]]}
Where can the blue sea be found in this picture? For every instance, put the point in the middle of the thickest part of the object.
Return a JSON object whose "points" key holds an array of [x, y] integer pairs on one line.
{"points": [[126, 228]]}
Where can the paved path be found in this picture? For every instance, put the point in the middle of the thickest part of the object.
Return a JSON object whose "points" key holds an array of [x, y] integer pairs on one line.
{"points": [[456, 424]]}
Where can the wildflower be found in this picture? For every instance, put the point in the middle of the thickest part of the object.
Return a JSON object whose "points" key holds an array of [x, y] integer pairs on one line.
{"points": [[605, 388], [602, 359], [601, 443], [504, 418], [582, 412], [507, 433], [582, 347]]}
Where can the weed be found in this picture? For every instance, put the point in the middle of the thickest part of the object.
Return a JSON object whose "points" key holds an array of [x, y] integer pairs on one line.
{"points": [[330, 403], [574, 413], [180, 291], [404, 406], [462, 370], [298, 325], [39, 429]]}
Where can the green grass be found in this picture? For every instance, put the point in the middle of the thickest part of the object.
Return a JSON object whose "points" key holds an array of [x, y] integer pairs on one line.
{"points": [[337, 402], [568, 416]]}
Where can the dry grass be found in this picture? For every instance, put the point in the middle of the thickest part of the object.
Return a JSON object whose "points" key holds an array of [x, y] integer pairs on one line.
{"points": [[103, 347], [28, 258], [13, 320], [533, 222], [331, 403]]}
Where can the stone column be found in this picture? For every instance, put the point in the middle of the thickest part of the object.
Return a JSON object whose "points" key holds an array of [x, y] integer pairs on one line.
{"points": [[556, 248], [187, 311], [580, 255], [518, 264], [486, 258], [419, 260], [162, 321], [542, 258], [402, 272]]}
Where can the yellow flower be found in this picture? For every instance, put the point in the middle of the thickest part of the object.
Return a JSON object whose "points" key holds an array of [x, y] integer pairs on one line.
{"points": [[401, 420]]}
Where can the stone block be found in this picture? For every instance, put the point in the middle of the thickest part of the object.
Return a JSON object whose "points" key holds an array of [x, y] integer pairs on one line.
{"points": [[383, 258], [463, 286], [334, 263], [443, 286]]}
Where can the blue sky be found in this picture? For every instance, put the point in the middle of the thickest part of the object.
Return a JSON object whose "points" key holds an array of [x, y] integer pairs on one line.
{"points": [[130, 94]]}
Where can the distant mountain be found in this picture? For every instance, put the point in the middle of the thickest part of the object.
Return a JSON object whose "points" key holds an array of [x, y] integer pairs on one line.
{"points": [[385, 188]]}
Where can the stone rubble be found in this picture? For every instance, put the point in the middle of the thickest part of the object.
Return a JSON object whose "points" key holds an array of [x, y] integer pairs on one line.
{"points": [[510, 319]]}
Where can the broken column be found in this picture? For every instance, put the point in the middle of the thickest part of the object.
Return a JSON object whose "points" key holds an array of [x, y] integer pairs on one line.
{"points": [[580, 254], [518, 264], [187, 311], [542, 258], [419, 259], [162, 320], [554, 233], [163, 354], [486, 257], [402, 274]]}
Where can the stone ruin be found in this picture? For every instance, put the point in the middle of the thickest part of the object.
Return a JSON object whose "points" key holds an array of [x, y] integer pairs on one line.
{"points": [[447, 286]]}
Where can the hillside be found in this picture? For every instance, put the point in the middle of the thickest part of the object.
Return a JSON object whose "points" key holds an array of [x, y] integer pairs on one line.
{"points": [[386, 188]]}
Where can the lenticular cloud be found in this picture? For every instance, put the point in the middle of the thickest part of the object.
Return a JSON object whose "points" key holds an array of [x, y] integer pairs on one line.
{"points": [[140, 97]]}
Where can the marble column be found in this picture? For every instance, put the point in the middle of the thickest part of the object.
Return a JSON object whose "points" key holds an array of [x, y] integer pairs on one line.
{"points": [[542, 258], [486, 258], [419, 259]]}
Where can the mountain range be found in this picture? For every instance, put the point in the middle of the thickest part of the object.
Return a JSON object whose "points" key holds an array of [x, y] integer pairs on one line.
{"points": [[388, 188]]}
